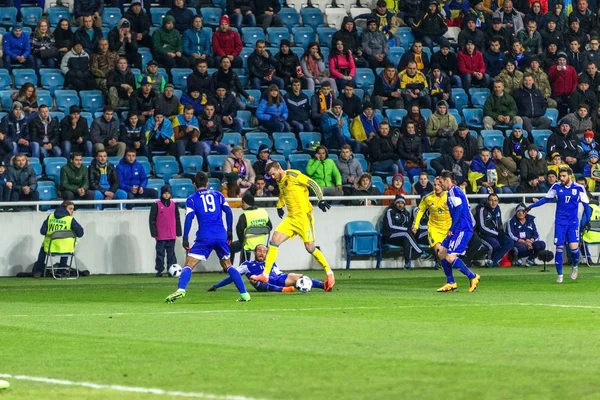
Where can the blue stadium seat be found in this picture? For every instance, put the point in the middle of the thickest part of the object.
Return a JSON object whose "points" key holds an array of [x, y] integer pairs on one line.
{"points": [[492, 138], [475, 90], [325, 34], [146, 165], [37, 167], [92, 100], [312, 17], [303, 36], [191, 164], [361, 239], [114, 160], [5, 95], [456, 114], [245, 116], [280, 159], [52, 166], [180, 76], [325, 52], [473, 117], [111, 17], [215, 164], [31, 15], [255, 139], [474, 134], [214, 184], [290, 17], [333, 157], [552, 113], [47, 192], [540, 138], [406, 37], [252, 34], [277, 34], [407, 186], [157, 14], [65, 100], [8, 16], [23, 76], [211, 16], [299, 161], [88, 117], [285, 144], [396, 54], [87, 161], [165, 166], [181, 188], [307, 138], [427, 157], [395, 116], [155, 184], [365, 79], [5, 82], [232, 139], [426, 113], [57, 115], [55, 14], [146, 55], [461, 100], [378, 183], [246, 51], [52, 81], [478, 99], [44, 98]]}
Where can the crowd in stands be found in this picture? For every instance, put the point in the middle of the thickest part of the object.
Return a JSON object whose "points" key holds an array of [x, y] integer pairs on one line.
{"points": [[500, 93]]}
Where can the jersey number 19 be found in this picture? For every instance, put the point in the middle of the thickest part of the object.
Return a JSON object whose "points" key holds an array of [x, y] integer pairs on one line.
{"points": [[208, 201]]}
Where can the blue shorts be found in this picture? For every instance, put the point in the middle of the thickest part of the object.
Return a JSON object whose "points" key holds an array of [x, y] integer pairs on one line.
{"points": [[278, 280], [569, 231], [202, 249], [457, 243]]}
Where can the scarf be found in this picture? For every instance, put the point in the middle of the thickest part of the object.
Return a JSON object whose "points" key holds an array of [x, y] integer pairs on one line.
{"points": [[325, 102], [240, 166], [419, 61], [313, 66]]}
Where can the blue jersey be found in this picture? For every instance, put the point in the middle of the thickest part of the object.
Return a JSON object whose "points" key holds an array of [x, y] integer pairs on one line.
{"points": [[208, 207], [460, 212], [567, 204], [250, 268]]}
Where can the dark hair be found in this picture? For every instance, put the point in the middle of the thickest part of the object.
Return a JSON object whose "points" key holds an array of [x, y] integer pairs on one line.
{"points": [[259, 178], [447, 174], [131, 150], [67, 203], [270, 98], [75, 154], [568, 170], [322, 148], [307, 51], [492, 195], [109, 109], [260, 41], [188, 107], [201, 179]]}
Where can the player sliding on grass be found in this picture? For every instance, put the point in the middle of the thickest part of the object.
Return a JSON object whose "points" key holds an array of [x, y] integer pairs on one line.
{"points": [[293, 186], [458, 236], [208, 207], [278, 281], [566, 225]]}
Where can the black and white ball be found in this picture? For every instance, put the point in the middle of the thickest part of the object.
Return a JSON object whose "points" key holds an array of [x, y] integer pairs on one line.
{"points": [[304, 284], [175, 270]]}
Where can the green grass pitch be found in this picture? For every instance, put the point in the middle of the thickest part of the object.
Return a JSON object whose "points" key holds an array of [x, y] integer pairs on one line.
{"points": [[382, 334]]}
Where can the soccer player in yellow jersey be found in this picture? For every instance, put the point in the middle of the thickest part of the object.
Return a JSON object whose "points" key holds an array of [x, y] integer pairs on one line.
{"points": [[293, 189]]}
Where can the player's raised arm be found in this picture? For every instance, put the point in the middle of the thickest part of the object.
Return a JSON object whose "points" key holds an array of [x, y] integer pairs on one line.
{"points": [[551, 195]]}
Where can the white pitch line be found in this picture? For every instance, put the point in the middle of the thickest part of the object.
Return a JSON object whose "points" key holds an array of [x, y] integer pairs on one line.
{"points": [[132, 389]]}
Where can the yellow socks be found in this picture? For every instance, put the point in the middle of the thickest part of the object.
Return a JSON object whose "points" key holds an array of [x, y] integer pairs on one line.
{"points": [[271, 257], [318, 255]]}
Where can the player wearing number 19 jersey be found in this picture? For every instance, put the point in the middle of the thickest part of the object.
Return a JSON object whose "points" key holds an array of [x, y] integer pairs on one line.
{"points": [[566, 225], [207, 206]]}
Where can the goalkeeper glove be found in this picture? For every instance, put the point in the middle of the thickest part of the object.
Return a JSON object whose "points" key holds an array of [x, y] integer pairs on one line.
{"points": [[280, 212], [324, 206]]}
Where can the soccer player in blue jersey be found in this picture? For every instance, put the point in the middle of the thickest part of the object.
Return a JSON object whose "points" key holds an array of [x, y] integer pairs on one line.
{"points": [[457, 238], [566, 225], [278, 281], [207, 206]]}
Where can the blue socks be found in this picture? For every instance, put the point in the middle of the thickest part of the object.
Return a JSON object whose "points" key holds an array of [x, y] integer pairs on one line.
{"points": [[460, 265], [448, 271], [237, 279], [574, 256], [317, 284], [267, 287], [185, 277], [224, 282], [558, 259]]}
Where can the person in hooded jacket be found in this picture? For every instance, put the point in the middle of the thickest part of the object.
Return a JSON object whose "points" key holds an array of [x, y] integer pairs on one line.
{"points": [[564, 142], [515, 145], [133, 179], [132, 133], [431, 26], [168, 47], [263, 158], [272, 112], [230, 78], [583, 94], [375, 45], [123, 41], [348, 35], [441, 126], [159, 134], [142, 101], [140, 23], [396, 188], [14, 126], [350, 169], [105, 133], [363, 186], [75, 66], [121, 84], [262, 67], [200, 79], [182, 15], [410, 150]]}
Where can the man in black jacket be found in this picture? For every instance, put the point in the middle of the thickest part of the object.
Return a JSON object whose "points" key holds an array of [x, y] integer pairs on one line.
{"points": [[452, 162], [352, 104], [463, 138], [387, 89], [565, 142], [140, 23], [226, 107], [121, 84], [45, 131], [384, 156], [397, 230], [261, 67], [81, 35], [532, 105], [289, 65], [124, 42], [431, 26], [448, 63], [491, 229], [201, 79], [299, 109], [143, 100], [75, 134]]}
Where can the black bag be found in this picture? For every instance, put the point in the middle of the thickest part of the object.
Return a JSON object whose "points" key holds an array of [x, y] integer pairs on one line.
{"points": [[49, 53]]}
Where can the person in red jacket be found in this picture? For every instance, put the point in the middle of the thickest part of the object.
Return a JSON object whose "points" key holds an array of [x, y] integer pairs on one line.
{"points": [[227, 43], [471, 67], [563, 81]]}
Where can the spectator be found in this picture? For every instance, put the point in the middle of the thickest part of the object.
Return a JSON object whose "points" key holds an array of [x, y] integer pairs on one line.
{"points": [[313, 67], [537, 12], [272, 111], [159, 134], [387, 89], [517, 54], [546, 182], [588, 143], [186, 128], [299, 109], [550, 57], [411, 10], [481, 14], [375, 45], [132, 133], [227, 43], [365, 126], [540, 80], [364, 187], [591, 171], [226, 107], [74, 180], [511, 78], [102, 62], [165, 227], [260, 165], [14, 125], [409, 150], [75, 134], [267, 11], [167, 45], [482, 172], [261, 67], [423, 186], [182, 16], [515, 145], [440, 86], [592, 55], [387, 20], [506, 168], [531, 39], [531, 105], [133, 179], [259, 189], [396, 188], [495, 31], [441, 126], [563, 80], [350, 39], [43, 48], [511, 19], [413, 87], [534, 164], [471, 33], [139, 23], [167, 103], [289, 67], [200, 78], [575, 33], [17, 48], [341, 64], [92, 8], [574, 56], [472, 68], [124, 42], [352, 103], [158, 81], [142, 101], [322, 102], [196, 43], [75, 66], [580, 120], [105, 134], [350, 169], [230, 189], [417, 55], [384, 156], [530, 185], [431, 26], [491, 229], [194, 99], [211, 132], [6, 149], [5, 192], [565, 142], [397, 230], [325, 173], [120, 84], [237, 163], [551, 33], [524, 233], [414, 116], [500, 108], [556, 163], [27, 96], [452, 162], [241, 11], [21, 180], [45, 131], [448, 63], [336, 129], [64, 38], [88, 34], [495, 60], [583, 95], [225, 75]]}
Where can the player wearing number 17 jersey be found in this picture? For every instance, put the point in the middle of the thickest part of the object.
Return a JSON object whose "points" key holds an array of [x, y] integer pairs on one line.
{"points": [[566, 225], [207, 206]]}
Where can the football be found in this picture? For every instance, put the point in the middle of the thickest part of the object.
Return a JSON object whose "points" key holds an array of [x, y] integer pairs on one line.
{"points": [[304, 284], [175, 270]]}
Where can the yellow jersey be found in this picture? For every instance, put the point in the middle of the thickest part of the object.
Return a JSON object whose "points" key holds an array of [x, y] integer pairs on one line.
{"points": [[293, 193], [439, 214]]}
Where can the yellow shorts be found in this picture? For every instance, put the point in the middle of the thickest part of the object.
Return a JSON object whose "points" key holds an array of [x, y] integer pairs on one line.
{"points": [[436, 236], [298, 226]]}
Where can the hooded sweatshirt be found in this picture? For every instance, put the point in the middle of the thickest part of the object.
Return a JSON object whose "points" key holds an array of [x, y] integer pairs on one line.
{"points": [[349, 168], [126, 46], [73, 178], [329, 123], [166, 41], [350, 38]]}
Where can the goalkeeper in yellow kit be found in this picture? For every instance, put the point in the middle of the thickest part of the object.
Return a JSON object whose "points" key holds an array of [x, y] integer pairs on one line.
{"points": [[293, 188]]}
